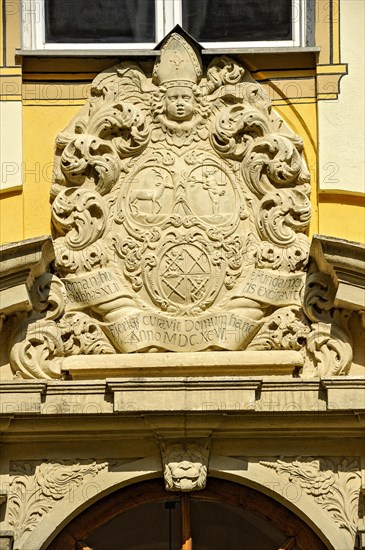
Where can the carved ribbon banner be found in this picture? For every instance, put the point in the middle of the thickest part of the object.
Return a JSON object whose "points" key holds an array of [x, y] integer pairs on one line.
{"points": [[268, 286], [142, 331], [92, 288]]}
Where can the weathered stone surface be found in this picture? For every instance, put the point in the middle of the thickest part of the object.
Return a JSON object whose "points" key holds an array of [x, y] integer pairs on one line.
{"points": [[241, 363], [20, 264]]}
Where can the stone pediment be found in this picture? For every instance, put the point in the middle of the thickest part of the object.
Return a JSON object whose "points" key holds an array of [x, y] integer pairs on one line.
{"points": [[180, 204]]}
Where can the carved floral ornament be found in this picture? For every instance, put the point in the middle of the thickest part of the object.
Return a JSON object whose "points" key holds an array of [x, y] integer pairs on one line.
{"points": [[36, 487], [333, 483], [180, 203]]}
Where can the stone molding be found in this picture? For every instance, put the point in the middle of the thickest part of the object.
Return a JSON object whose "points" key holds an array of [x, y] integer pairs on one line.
{"points": [[248, 363], [21, 263], [213, 395], [334, 293], [344, 262]]}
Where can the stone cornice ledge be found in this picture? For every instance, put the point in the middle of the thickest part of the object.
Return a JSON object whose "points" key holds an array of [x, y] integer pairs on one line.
{"points": [[229, 363], [21, 396], [20, 264], [185, 394], [344, 261], [208, 394], [123, 53], [345, 392]]}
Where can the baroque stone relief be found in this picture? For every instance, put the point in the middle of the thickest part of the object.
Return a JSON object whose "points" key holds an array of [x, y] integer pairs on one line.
{"points": [[333, 482], [180, 203], [36, 487], [185, 465]]}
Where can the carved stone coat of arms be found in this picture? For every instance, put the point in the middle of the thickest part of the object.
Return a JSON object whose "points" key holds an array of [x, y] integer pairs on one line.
{"points": [[179, 206]]}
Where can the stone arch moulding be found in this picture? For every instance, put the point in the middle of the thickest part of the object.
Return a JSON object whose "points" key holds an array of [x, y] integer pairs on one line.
{"points": [[57, 504], [180, 205], [152, 491]]}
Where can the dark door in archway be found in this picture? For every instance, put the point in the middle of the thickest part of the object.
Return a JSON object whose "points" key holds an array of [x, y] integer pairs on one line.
{"points": [[224, 516]]}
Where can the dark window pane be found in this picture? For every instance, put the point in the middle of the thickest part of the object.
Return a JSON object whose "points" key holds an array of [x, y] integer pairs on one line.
{"points": [[238, 20], [150, 526], [100, 20]]}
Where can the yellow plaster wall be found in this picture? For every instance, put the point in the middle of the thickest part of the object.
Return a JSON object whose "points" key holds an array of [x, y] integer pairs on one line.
{"points": [[26, 214], [11, 218], [302, 119], [38, 148], [342, 216]]}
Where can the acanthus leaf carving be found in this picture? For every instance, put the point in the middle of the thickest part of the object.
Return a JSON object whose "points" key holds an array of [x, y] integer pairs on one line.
{"points": [[223, 71], [329, 344], [334, 483], [35, 349], [36, 487], [274, 161], [80, 215], [287, 328]]}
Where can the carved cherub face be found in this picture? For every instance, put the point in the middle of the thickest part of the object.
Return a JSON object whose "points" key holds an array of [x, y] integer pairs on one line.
{"points": [[179, 103]]}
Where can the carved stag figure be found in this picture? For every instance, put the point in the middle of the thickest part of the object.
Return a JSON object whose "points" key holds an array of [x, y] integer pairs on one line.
{"points": [[153, 195]]}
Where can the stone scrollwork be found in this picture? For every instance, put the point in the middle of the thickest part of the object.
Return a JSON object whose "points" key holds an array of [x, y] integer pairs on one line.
{"points": [[36, 487], [329, 344], [287, 328], [48, 334], [185, 465], [334, 483], [80, 215], [37, 352], [48, 296], [180, 203]]}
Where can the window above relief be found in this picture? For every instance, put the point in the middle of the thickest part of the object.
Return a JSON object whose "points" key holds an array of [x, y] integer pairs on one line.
{"points": [[141, 24]]}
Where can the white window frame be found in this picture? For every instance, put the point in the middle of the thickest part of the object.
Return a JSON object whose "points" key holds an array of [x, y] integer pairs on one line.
{"points": [[168, 14]]}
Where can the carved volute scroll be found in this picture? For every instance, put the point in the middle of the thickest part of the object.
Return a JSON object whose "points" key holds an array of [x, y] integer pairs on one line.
{"points": [[180, 203]]}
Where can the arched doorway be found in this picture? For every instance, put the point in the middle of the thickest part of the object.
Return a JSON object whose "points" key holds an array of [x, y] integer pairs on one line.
{"points": [[225, 515]]}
